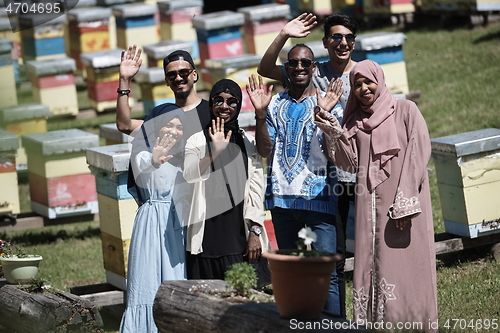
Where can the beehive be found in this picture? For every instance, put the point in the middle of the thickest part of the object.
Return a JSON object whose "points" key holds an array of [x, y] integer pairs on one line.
{"points": [[117, 208], [42, 39], [468, 175], [153, 88], [112, 135], [386, 49], [60, 181], [135, 24], [7, 73], [9, 196], [53, 84], [88, 30], [103, 73], [175, 22], [219, 36], [24, 119]]}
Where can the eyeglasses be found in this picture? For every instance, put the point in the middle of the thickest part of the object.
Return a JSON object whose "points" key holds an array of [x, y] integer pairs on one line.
{"points": [[348, 37], [306, 63], [231, 101], [184, 73]]}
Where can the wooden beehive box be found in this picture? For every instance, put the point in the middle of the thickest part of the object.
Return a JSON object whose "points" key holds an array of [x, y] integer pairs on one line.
{"points": [[468, 174], [60, 181]]}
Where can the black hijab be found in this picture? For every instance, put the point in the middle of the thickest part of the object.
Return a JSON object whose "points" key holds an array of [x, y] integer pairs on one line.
{"points": [[235, 148]]}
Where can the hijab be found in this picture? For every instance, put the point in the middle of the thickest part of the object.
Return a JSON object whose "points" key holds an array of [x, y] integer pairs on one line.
{"points": [[145, 141], [219, 182], [377, 118]]}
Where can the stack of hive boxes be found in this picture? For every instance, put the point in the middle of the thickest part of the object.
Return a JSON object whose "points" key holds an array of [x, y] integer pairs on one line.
{"points": [[7, 28], [103, 74], [219, 36], [135, 24], [88, 32], [175, 22], [53, 84], [117, 208], [9, 196], [262, 25], [60, 181]]}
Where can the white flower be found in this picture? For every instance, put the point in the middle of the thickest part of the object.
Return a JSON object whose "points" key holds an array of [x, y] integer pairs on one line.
{"points": [[308, 235]]}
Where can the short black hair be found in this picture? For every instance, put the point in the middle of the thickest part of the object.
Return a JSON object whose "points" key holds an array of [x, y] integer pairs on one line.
{"points": [[339, 19], [300, 45]]}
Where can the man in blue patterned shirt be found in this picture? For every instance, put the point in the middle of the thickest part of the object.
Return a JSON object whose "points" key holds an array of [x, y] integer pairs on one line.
{"points": [[301, 181]]}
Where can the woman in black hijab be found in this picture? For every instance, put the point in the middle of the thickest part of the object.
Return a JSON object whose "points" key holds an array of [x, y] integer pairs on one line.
{"points": [[226, 220]]}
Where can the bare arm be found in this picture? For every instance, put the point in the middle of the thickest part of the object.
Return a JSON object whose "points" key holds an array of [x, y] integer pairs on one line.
{"points": [[129, 66], [260, 100], [296, 28]]}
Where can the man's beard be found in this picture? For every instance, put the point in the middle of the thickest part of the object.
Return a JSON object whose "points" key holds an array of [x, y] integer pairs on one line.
{"points": [[182, 95]]}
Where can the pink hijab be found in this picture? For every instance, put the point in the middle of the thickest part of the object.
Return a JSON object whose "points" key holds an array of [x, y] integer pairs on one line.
{"points": [[377, 118]]}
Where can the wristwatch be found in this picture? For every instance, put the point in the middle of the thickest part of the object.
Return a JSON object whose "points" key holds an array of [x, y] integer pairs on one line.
{"points": [[256, 230], [123, 92]]}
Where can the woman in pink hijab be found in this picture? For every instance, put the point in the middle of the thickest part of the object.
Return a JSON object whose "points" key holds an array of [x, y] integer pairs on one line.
{"points": [[385, 141]]}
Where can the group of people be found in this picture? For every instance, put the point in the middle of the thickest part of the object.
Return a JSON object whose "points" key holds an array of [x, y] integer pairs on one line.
{"points": [[334, 135]]}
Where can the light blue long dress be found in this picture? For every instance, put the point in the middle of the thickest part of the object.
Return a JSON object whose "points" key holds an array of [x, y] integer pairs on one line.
{"points": [[157, 249]]}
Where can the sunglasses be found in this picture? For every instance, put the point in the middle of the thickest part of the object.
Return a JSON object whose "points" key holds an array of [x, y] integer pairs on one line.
{"points": [[231, 102], [184, 73], [306, 63], [348, 37]]}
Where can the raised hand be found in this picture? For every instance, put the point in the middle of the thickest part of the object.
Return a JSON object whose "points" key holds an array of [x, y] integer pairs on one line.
{"points": [[161, 149], [216, 133], [332, 94], [259, 97], [300, 26], [130, 62]]}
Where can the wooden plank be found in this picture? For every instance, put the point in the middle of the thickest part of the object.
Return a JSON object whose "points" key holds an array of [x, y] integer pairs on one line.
{"points": [[103, 294], [32, 220]]}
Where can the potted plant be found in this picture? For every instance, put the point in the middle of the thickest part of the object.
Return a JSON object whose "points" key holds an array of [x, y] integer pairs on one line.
{"points": [[301, 278], [18, 267]]}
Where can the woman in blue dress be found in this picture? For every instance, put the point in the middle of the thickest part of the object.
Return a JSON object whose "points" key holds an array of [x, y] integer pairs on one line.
{"points": [[157, 249]]}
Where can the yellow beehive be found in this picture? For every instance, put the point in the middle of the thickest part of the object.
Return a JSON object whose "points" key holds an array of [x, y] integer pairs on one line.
{"points": [[9, 196], [117, 208], [468, 173], [396, 78], [59, 95], [7, 73], [116, 216]]}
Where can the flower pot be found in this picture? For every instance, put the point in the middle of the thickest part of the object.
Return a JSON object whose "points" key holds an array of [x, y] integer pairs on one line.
{"points": [[300, 284], [20, 270]]}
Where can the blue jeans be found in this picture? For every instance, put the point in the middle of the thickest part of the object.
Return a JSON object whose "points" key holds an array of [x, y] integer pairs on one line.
{"points": [[288, 222]]}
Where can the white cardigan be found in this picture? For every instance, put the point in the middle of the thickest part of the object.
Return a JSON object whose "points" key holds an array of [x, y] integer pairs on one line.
{"points": [[253, 207]]}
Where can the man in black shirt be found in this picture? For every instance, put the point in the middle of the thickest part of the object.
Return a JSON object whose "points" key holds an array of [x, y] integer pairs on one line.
{"points": [[180, 76]]}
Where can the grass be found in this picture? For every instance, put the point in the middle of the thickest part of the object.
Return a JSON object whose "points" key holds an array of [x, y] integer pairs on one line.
{"points": [[456, 70]]}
